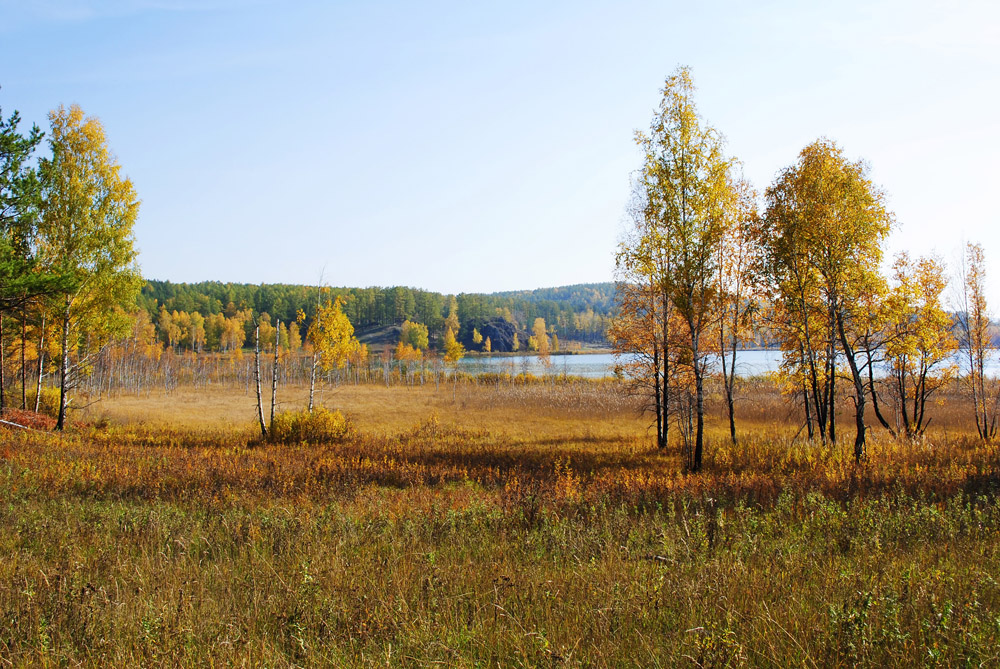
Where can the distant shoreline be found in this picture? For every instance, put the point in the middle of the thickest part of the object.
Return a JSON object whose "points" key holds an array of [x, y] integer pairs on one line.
{"points": [[587, 351], [515, 354]]}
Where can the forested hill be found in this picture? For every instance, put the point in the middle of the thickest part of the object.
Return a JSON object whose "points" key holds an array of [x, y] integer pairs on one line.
{"points": [[578, 312], [598, 297]]}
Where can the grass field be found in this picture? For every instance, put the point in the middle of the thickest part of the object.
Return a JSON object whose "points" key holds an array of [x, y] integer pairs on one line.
{"points": [[490, 525]]}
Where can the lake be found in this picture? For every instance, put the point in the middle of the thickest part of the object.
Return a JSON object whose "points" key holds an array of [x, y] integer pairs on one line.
{"points": [[598, 365]]}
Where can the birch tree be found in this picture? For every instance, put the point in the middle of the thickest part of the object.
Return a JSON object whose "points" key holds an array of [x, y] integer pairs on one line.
{"points": [[688, 183], [974, 324], [640, 331], [453, 352], [825, 225], [332, 338], [542, 343], [921, 345], [88, 212], [737, 258]]}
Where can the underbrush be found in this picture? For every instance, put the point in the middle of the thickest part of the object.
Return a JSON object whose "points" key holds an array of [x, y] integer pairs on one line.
{"points": [[544, 470], [48, 404]]}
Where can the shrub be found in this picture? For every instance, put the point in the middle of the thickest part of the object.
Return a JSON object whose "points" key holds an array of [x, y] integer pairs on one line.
{"points": [[317, 426], [49, 404]]}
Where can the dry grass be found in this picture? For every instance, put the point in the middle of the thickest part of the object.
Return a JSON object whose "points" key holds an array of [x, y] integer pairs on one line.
{"points": [[491, 525], [550, 409]]}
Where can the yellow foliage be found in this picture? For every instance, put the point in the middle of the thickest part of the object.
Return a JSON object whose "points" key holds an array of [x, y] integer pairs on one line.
{"points": [[415, 335], [453, 350], [319, 425], [332, 336]]}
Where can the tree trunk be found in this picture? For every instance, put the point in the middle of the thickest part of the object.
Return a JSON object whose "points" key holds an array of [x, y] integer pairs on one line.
{"points": [[819, 396], [274, 370], [24, 364], [729, 381], [809, 422], [901, 391], [665, 388], [832, 384], [859, 391], [3, 399], [920, 395], [874, 394], [728, 373], [657, 402], [832, 365], [972, 374], [256, 376], [63, 370], [41, 366], [700, 411], [312, 380]]}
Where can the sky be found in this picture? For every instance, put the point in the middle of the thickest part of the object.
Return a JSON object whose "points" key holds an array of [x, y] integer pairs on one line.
{"points": [[480, 147]]}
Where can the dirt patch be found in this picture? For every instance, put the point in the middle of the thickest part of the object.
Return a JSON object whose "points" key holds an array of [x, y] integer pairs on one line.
{"points": [[379, 338]]}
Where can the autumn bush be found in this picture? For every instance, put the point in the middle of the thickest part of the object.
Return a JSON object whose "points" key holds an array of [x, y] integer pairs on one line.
{"points": [[49, 402], [318, 426]]}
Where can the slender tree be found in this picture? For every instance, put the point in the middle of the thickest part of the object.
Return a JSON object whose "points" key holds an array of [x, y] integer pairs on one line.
{"points": [[640, 331], [89, 209], [737, 256], [453, 352], [332, 338], [256, 379], [974, 324], [921, 345], [688, 184], [542, 342], [451, 322], [274, 372]]}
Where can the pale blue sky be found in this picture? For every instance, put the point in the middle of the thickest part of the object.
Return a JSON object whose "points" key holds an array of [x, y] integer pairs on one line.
{"points": [[487, 146]]}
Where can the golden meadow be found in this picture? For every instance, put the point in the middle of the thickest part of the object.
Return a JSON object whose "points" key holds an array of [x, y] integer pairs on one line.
{"points": [[528, 523]]}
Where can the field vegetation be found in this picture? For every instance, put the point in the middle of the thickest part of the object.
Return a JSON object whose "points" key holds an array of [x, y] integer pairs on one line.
{"points": [[522, 524]]}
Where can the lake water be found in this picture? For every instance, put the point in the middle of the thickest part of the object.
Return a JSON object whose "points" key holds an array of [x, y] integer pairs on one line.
{"points": [[598, 365]]}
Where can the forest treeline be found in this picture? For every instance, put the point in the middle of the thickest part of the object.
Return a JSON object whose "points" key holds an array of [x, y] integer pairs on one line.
{"points": [[577, 313]]}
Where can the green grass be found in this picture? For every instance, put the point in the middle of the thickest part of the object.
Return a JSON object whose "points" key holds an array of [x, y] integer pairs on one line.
{"points": [[811, 582]]}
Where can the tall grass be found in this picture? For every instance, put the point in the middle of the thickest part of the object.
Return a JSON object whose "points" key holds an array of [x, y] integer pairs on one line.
{"points": [[515, 528]]}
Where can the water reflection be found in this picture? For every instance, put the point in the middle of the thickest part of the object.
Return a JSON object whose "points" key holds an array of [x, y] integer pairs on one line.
{"points": [[599, 365]]}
